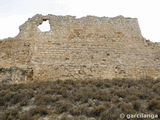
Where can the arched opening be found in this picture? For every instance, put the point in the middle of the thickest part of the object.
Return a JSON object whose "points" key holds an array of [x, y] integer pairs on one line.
{"points": [[45, 26]]}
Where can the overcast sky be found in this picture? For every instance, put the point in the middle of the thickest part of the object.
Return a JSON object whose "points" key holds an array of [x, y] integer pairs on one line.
{"points": [[13, 13]]}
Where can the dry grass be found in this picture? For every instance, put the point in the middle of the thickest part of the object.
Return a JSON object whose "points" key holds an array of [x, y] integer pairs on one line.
{"points": [[99, 99]]}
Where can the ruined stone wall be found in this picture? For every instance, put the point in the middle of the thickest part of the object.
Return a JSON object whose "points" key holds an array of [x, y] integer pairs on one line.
{"points": [[84, 48]]}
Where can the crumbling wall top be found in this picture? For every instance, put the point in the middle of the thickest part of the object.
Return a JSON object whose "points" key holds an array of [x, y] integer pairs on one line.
{"points": [[63, 25]]}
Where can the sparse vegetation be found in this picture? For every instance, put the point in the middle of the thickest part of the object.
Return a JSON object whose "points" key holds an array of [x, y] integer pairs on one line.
{"points": [[68, 100]]}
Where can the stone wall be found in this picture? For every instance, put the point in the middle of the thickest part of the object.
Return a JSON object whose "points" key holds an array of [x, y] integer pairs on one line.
{"points": [[15, 75], [85, 48]]}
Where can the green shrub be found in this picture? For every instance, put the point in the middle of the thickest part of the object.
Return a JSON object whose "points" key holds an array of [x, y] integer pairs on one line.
{"points": [[2, 102], [75, 111], [9, 115], [9, 96], [136, 105], [156, 87], [62, 106], [97, 110], [45, 100], [126, 107], [121, 93], [16, 98], [39, 110], [112, 113], [154, 104]]}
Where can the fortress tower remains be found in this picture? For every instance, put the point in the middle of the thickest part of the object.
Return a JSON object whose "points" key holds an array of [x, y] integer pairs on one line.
{"points": [[85, 48]]}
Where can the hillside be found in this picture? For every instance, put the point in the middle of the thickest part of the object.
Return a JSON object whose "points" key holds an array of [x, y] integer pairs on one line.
{"points": [[80, 100]]}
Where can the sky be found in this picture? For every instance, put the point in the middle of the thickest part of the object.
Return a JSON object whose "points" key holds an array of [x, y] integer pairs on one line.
{"points": [[14, 13]]}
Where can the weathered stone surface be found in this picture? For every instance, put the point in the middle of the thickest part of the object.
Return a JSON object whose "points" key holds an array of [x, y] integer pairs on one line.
{"points": [[86, 48], [15, 75]]}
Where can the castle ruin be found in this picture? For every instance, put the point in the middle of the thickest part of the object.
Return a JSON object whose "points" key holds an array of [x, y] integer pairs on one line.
{"points": [[85, 48]]}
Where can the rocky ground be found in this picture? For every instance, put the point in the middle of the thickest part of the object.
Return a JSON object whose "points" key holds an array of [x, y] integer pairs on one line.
{"points": [[79, 100]]}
